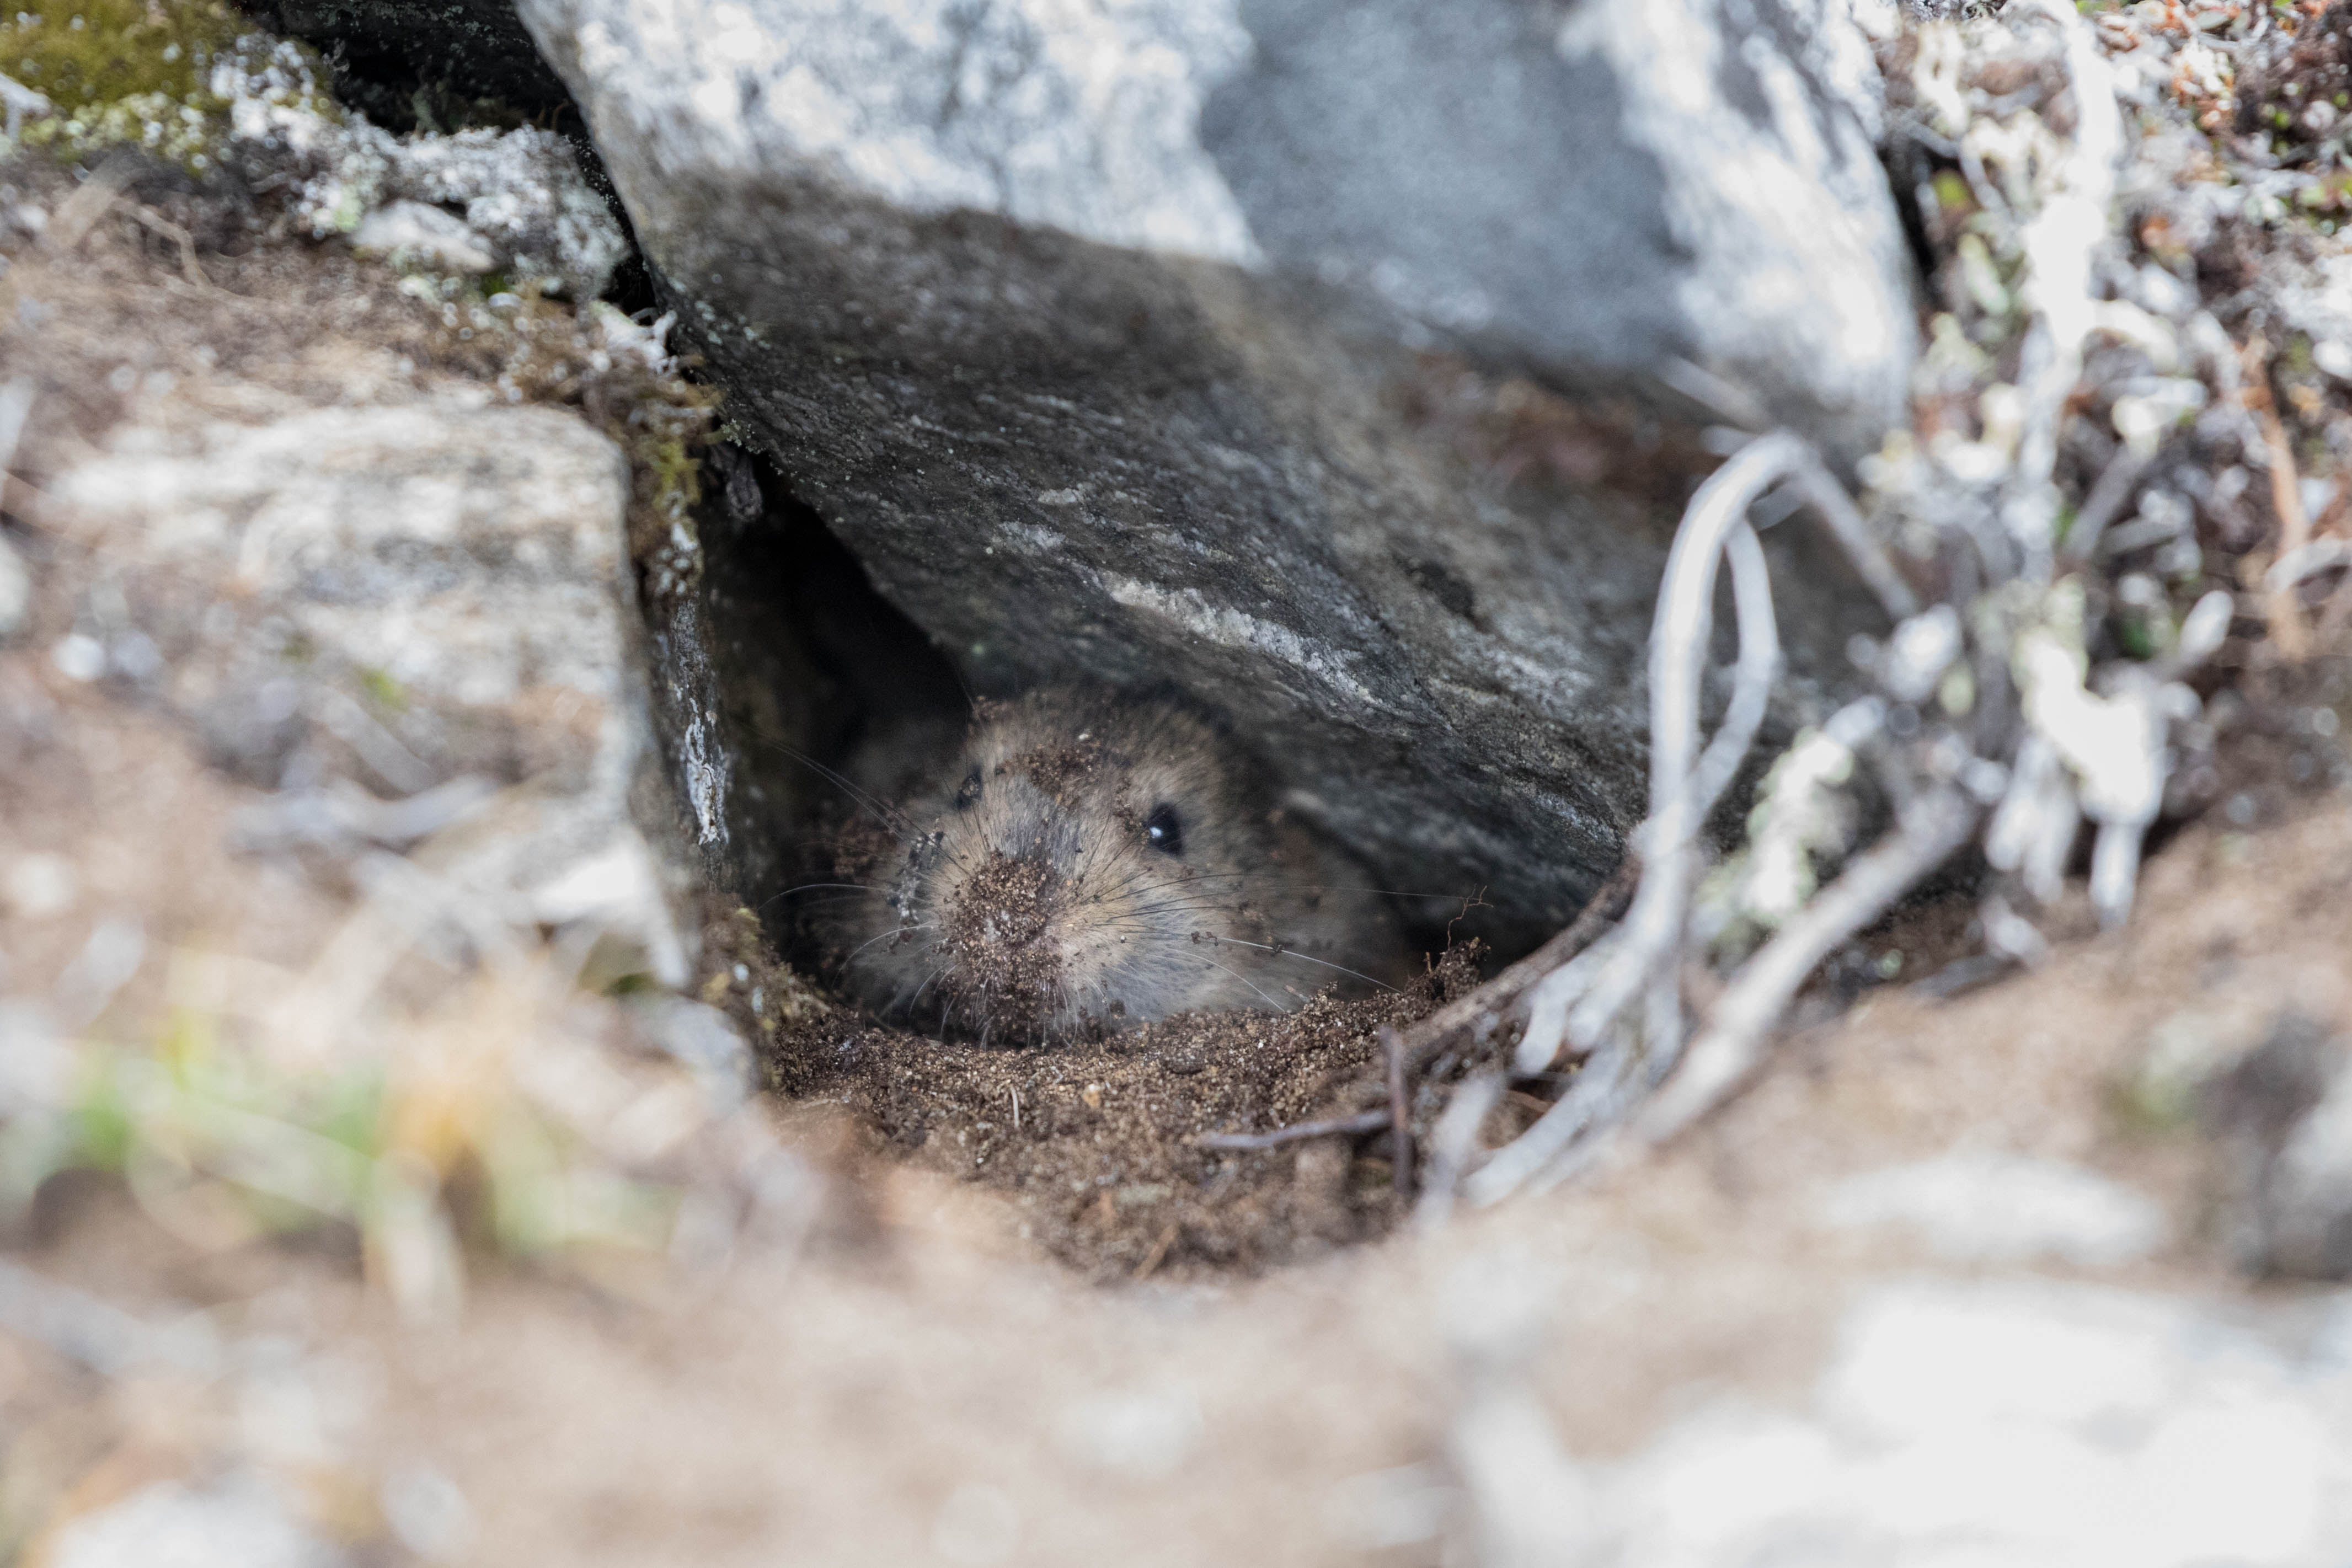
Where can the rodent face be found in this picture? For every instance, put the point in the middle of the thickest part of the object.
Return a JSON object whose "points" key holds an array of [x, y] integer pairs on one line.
{"points": [[1087, 860]]}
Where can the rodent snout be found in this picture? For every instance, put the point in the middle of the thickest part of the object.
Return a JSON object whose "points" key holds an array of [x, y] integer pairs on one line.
{"points": [[999, 934], [1008, 903]]}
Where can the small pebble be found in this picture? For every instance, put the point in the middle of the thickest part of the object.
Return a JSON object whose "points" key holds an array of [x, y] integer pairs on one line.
{"points": [[79, 658]]}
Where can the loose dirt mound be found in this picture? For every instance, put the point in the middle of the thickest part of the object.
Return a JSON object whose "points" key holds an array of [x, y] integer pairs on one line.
{"points": [[1097, 1145]]}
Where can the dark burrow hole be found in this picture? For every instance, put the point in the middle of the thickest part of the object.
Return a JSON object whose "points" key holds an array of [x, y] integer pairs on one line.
{"points": [[767, 680]]}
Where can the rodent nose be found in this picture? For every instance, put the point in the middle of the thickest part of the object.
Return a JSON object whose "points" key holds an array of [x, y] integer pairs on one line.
{"points": [[1008, 903], [1004, 966]]}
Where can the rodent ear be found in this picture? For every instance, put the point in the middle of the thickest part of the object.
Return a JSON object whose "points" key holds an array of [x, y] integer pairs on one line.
{"points": [[969, 790], [1164, 829]]}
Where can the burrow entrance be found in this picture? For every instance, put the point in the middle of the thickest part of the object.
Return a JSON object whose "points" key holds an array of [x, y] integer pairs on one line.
{"points": [[1143, 1152], [1114, 1151]]}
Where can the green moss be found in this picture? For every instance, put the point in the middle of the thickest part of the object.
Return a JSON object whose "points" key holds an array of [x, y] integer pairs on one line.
{"points": [[291, 1149], [99, 1128], [141, 73], [388, 693], [122, 71], [83, 54], [677, 476]]}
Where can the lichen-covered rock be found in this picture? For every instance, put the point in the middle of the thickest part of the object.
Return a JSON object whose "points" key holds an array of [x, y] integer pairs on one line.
{"points": [[2282, 1107], [2049, 1422], [1133, 343], [525, 209], [196, 86], [419, 630]]}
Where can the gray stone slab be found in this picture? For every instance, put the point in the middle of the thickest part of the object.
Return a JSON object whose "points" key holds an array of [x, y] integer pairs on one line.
{"points": [[1169, 344]]}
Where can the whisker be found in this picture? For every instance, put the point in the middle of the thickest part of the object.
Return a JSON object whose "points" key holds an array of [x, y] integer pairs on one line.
{"points": [[1266, 879], [904, 998], [894, 931], [1245, 980], [882, 812], [816, 887], [1307, 959]]}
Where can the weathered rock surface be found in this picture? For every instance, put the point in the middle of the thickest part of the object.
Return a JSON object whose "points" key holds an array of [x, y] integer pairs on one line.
{"points": [[414, 621], [1133, 346], [2280, 1101], [2090, 1424], [241, 1522]]}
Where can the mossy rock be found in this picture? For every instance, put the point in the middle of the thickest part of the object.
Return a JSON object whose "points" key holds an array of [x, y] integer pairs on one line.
{"points": [[122, 71], [143, 74]]}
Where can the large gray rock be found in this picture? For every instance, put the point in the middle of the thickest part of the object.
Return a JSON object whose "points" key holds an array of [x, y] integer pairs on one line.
{"points": [[1133, 341]]}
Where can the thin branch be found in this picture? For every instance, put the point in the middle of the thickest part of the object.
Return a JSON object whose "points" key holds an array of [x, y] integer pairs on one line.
{"points": [[1452, 1142], [1600, 1091], [2117, 481], [1399, 1111], [1684, 787], [1364, 1122], [79, 211], [1489, 1008], [156, 222], [1936, 827], [2284, 611]]}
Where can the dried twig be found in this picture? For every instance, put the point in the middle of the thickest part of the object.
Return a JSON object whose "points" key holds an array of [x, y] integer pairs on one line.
{"points": [[1575, 1007], [2284, 610], [2115, 486], [1363, 1122], [156, 222], [2281, 608], [1493, 1005], [77, 213], [1936, 826], [1452, 1142], [1158, 1253], [1399, 1111]]}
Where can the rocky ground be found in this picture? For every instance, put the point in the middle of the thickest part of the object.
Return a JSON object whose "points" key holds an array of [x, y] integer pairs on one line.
{"points": [[1731, 1347], [383, 1185]]}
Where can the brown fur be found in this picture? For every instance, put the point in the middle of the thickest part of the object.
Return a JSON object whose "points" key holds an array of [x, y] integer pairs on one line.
{"points": [[1020, 892]]}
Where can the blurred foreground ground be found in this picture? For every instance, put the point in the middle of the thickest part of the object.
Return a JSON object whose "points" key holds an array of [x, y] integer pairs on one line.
{"points": [[1930, 1280]]}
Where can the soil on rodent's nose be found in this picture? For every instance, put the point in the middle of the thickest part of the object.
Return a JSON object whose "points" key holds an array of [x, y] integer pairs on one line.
{"points": [[1093, 1143], [1004, 971]]}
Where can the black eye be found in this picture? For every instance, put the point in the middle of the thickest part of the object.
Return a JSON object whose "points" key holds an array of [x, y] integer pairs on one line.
{"points": [[969, 790], [1164, 831]]}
